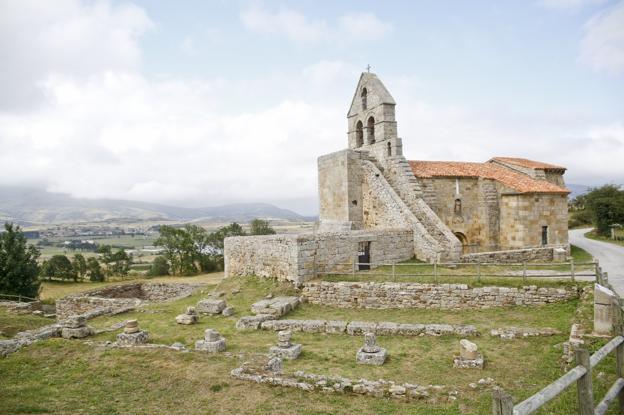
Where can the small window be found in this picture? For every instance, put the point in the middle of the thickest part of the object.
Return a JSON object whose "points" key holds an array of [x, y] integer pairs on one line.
{"points": [[458, 207], [544, 235], [354, 202], [389, 149], [364, 98]]}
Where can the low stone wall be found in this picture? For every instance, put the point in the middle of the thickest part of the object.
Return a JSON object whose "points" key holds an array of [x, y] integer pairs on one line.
{"points": [[441, 296], [338, 384], [299, 258], [119, 298], [358, 328], [545, 254]]}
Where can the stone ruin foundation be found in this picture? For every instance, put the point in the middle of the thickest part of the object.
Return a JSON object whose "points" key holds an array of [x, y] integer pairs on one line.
{"points": [[75, 328], [132, 335], [211, 306], [120, 298], [189, 317], [370, 353], [285, 348], [213, 342], [469, 356]]}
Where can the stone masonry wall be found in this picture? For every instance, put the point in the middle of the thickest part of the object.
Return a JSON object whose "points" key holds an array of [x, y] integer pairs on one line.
{"points": [[264, 256], [513, 256], [439, 296], [300, 257], [523, 215]]}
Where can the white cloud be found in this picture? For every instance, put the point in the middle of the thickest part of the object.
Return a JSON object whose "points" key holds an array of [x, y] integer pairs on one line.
{"points": [[298, 28], [602, 46], [65, 36], [570, 5], [364, 26]]}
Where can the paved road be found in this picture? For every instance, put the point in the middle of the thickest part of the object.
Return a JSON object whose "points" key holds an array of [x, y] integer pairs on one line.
{"points": [[610, 256]]}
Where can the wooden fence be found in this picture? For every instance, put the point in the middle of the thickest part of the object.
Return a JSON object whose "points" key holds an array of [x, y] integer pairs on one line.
{"points": [[19, 298], [392, 270], [581, 374]]}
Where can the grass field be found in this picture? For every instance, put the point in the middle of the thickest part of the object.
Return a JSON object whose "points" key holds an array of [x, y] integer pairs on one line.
{"points": [[60, 376], [595, 236]]}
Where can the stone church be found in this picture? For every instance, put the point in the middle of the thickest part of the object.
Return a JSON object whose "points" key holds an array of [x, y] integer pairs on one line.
{"points": [[376, 206]]}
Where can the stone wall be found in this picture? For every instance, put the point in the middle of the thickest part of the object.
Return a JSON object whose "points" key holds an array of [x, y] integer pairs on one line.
{"points": [[300, 257], [119, 298], [516, 256], [523, 215], [437, 296]]}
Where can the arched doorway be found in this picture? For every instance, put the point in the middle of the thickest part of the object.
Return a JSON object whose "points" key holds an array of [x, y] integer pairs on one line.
{"points": [[464, 241]]}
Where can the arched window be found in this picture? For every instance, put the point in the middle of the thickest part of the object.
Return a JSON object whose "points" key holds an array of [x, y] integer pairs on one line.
{"points": [[458, 207], [389, 149], [370, 126], [364, 96], [359, 134]]}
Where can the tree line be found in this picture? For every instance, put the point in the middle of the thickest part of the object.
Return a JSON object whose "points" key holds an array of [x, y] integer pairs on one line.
{"points": [[601, 208], [186, 251]]}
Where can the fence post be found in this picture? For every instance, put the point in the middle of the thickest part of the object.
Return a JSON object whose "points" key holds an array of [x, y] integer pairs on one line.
{"points": [[524, 272], [478, 271], [353, 268], [584, 384], [572, 273], [393, 272], [596, 271], [619, 354], [605, 278], [502, 403]]}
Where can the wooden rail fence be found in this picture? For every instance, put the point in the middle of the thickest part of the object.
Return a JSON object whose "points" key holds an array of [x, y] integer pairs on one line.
{"points": [[581, 374], [392, 270]]}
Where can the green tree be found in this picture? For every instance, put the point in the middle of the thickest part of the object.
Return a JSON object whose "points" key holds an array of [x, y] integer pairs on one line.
{"points": [[18, 263], [120, 263], [159, 267], [261, 227], [179, 249], [94, 270], [59, 267], [604, 205], [79, 263]]}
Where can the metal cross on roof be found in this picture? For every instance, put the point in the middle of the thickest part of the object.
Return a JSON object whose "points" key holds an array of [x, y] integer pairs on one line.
{"points": [[368, 68]]}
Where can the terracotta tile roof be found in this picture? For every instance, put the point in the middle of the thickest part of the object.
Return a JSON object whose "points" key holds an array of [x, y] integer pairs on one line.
{"points": [[531, 164], [520, 182]]}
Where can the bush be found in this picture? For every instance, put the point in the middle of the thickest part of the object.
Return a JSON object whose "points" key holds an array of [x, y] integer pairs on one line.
{"points": [[18, 264], [159, 267]]}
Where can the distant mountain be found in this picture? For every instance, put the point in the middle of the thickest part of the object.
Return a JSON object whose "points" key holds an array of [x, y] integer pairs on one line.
{"points": [[576, 189], [35, 206]]}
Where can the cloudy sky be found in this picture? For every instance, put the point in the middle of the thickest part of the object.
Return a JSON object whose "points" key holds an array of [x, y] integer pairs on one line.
{"points": [[207, 102]]}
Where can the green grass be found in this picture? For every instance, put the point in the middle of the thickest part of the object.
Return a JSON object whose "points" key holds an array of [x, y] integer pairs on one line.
{"points": [[57, 376], [12, 323], [593, 235]]}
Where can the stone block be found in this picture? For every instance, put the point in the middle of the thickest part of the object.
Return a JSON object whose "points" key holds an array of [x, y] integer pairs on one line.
{"points": [[210, 346], [439, 329], [313, 326], [410, 329], [387, 328], [76, 333], [377, 358], [276, 307], [251, 322], [335, 326], [75, 322], [228, 311], [603, 295], [132, 339], [356, 328], [210, 306], [477, 363], [467, 350], [187, 319], [291, 352]]}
